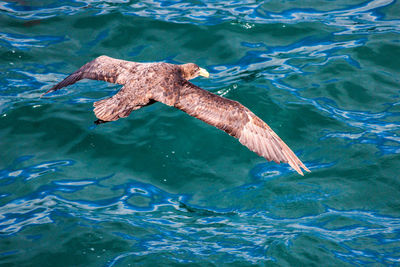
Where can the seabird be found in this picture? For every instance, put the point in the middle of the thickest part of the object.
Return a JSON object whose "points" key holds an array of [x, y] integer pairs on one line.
{"points": [[147, 83]]}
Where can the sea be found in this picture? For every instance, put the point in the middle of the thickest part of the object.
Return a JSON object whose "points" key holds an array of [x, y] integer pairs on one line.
{"points": [[161, 188]]}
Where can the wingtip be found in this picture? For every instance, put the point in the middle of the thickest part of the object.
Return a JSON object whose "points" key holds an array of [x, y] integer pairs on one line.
{"points": [[304, 168], [298, 166], [299, 169], [48, 91]]}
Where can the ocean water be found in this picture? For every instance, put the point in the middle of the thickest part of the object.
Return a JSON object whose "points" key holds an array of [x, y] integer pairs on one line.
{"points": [[162, 188]]}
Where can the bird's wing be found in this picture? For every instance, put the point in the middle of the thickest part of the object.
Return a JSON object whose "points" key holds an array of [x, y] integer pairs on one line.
{"points": [[121, 104], [238, 121], [102, 68]]}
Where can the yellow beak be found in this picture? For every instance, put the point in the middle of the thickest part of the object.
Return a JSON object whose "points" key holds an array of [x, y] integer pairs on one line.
{"points": [[204, 73]]}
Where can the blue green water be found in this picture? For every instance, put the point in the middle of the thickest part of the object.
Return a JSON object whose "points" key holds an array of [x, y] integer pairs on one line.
{"points": [[162, 188]]}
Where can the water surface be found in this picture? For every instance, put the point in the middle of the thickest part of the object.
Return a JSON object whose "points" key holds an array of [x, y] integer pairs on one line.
{"points": [[160, 187]]}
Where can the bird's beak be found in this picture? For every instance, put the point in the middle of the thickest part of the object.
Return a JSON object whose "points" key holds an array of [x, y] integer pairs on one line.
{"points": [[204, 73]]}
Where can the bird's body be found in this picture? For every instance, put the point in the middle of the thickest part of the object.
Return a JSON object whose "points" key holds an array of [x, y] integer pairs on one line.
{"points": [[147, 83]]}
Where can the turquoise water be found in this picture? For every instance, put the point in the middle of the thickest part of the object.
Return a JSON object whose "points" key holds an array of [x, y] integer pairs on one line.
{"points": [[163, 188]]}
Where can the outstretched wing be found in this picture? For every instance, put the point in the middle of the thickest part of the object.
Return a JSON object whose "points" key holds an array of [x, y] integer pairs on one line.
{"points": [[238, 121], [102, 68]]}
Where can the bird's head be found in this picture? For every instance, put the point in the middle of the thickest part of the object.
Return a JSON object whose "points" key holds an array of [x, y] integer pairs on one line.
{"points": [[191, 71]]}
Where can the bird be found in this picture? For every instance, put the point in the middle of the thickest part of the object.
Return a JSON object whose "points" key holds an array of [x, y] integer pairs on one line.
{"points": [[147, 83]]}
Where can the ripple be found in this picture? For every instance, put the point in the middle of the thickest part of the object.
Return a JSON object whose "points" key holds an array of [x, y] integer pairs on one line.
{"points": [[196, 230], [11, 174], [371, 128], [275, 62], [24, 42], [356, 19]]}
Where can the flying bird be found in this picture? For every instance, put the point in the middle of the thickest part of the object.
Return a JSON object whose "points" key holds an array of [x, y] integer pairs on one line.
{"points": [[148, 83]]}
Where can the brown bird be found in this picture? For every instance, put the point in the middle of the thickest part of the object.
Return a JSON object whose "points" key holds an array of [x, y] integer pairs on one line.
{"points": [[147, 83]]}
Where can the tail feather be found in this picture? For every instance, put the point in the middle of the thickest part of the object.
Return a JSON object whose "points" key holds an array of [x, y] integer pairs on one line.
{"points": [[111, 109]]}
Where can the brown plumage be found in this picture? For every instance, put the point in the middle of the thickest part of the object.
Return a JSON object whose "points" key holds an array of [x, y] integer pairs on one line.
{"points": [[147, 83]]}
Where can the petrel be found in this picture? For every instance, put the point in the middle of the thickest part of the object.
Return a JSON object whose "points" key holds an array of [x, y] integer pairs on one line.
{"points": [[148, 83]]}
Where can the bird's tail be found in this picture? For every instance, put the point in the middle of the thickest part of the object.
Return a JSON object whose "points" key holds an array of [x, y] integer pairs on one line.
{"points": [[111, 109]]}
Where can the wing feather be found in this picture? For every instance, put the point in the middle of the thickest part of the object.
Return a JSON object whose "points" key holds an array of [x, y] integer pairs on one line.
{"points": [[102, 68], [238, 121]]}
